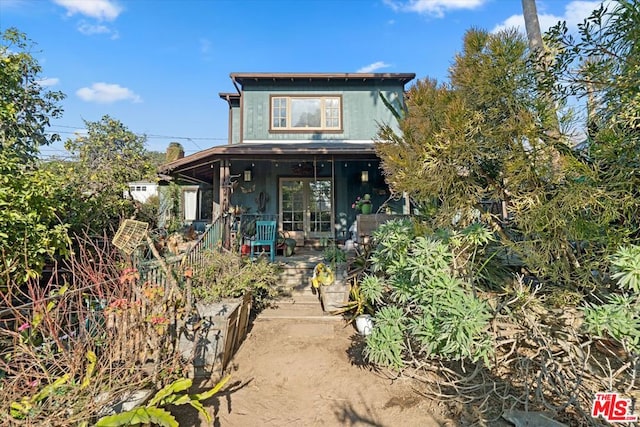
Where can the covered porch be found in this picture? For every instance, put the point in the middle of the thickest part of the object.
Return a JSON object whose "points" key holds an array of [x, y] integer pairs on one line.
{"points": [[307, 187]]}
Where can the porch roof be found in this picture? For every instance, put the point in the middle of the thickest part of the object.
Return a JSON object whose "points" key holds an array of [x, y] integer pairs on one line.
{"points": [[199, 164]]}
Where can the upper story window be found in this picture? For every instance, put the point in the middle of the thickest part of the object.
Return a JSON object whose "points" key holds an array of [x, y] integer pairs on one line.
{"points": [[302, 113]]}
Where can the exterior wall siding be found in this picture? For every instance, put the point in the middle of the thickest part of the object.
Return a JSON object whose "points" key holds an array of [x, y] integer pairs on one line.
{"points": [[362, 110], [235, 124]]}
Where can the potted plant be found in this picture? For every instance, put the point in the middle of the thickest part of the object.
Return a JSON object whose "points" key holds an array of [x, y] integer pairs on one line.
{"points": [[337, 259], [363, 204], [332, 293]]}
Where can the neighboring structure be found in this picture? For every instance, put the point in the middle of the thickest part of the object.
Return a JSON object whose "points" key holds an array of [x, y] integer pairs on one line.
{"points": [[141, 190], [300, 149]]}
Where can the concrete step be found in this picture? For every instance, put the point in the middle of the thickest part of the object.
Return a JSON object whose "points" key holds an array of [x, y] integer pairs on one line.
{"points": [[297, 307]]}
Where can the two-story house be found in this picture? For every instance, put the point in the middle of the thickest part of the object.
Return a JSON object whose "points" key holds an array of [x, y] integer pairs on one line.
{"points": [[300, 149]]}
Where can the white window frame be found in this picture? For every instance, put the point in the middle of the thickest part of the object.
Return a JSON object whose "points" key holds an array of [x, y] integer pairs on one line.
{"points": [[288, 109]]}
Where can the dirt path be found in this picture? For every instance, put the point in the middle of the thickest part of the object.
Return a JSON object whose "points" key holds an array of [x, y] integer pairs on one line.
{"points": [[300, 373]]}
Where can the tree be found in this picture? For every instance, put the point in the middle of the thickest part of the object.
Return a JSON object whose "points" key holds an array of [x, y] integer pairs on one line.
{"points": [[483, 138], [30, 229], [106, 160], [531, 24], [603, 64]]}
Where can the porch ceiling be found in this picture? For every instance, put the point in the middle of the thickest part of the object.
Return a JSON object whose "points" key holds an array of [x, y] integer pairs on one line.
{"points": [[199, 165]]}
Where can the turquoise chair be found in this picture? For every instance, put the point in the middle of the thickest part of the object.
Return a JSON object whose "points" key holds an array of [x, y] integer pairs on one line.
{"points": [[265, 236]]}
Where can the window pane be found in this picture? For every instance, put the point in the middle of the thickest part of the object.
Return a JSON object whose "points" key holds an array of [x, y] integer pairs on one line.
{"points": [[279, 112], [305, 112], [332, 112]]}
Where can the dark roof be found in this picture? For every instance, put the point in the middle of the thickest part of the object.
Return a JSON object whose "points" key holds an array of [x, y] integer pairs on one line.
{"points": [[229, 95], [242, 77], [264, 151]]}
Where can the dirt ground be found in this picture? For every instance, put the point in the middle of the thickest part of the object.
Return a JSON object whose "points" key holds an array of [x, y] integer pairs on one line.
{"points": [[306, 373]]}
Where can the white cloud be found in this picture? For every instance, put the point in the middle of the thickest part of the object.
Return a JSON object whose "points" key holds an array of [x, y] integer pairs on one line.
{"points": [[106, 10], [49, 81], [373, 67], [89, 29], [574, 13], [435, 8], [105, 93]]}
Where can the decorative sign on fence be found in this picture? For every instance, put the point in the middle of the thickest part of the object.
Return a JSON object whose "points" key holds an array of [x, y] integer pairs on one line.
{"points": [[129, 235]]}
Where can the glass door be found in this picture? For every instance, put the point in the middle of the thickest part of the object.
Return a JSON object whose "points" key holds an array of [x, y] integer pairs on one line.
{"points": [[306, 208]]}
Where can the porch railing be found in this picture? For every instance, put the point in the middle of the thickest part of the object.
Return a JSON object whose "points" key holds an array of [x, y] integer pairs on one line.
{"points": [[212, 237]]}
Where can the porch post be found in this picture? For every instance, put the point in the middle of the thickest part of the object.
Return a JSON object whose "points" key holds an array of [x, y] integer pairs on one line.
{"points": [[225, 196]]}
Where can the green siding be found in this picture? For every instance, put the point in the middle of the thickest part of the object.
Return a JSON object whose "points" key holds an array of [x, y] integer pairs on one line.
{"points": [[362, 109], [235, 124]]}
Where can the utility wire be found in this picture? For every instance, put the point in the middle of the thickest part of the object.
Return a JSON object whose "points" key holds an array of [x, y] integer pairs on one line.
{"points": [[148, 135]]}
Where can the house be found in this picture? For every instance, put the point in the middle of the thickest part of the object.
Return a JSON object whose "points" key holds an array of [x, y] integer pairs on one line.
{"points": [[300, 150], [141, 191]]}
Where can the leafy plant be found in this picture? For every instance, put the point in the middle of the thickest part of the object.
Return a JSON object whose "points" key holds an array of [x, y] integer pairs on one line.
{"points": [[322, 276], [385, 344], [154, 411], [358, 304], [227, 275], [482, 139], [423, 297], [333, 254], [619, 317], [30, 228], [627, 263]]}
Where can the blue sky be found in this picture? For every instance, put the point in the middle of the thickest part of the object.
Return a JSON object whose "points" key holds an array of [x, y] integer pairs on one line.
{"points": [[158, 65]]}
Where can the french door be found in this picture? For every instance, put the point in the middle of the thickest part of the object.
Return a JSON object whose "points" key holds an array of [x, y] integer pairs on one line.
{"points": [[306, 207]]}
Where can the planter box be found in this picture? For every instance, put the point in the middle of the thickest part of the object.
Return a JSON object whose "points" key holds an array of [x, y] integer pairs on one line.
{"points": [[222, 328], [333, 297]]}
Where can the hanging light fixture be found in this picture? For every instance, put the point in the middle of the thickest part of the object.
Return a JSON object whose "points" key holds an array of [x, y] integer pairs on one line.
{"points": [[247, 175], [364, 176]]}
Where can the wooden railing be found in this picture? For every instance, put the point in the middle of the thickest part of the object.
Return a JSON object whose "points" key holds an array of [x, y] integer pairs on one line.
{"points": [[212, 237]]}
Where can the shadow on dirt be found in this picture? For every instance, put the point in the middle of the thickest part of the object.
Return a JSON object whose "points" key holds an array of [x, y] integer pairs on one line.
{"points": [[355, 351]]}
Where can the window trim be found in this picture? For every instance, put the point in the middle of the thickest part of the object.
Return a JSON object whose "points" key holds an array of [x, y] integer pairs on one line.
{"points": [[289, 129]]}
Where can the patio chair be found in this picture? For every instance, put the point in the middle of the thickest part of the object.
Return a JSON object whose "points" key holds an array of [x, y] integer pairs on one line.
{"points": [[265, 236]]}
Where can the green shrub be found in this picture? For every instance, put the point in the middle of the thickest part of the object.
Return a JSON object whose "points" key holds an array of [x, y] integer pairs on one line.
{"points": [[333, 254], [626, 262], [619, 317], [427, 307], [227, 275]]}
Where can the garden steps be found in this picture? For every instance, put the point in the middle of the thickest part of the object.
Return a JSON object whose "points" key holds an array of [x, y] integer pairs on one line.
{"points": [[297, 306]]}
